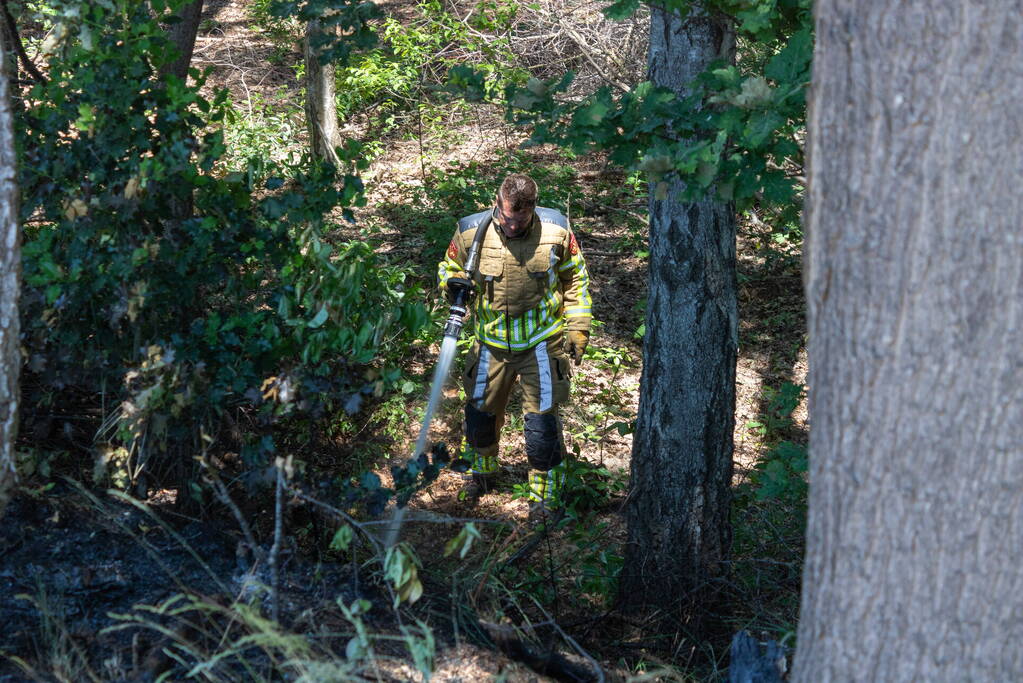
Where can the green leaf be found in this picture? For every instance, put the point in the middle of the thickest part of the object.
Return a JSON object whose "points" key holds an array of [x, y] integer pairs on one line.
{"points": [[777, 188], [622, 9], [756, 19], [792, 63], [356, 649], [760, 127], [370, 481], [320, 318], [342, 538], [705, 173], [462, 543], [592, 114]]}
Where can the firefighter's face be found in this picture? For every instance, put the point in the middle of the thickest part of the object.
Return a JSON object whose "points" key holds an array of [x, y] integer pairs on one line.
{"points": [[513, 223]]}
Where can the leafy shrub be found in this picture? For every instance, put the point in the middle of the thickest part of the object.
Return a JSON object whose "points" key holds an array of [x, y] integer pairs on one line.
{"points": [[780, 474], [414, 56], [183, 292], [265, 131]]}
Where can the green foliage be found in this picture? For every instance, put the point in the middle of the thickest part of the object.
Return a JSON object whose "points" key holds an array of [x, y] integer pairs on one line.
{"points": [[401, 569], [589, 486], [463, 542], [237, 641], [185, 290], [737, 134], [262, 130], [346, 24], [604, 411], [778, 414], [397, 78], [598, 567], [780, 474]]}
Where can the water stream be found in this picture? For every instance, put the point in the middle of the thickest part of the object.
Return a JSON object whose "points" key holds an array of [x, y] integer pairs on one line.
{"points": [[440, 375]]}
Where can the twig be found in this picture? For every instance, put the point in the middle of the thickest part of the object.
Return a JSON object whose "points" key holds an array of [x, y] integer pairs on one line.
{"points": [[225, 498], [532, 542], [581, 44], [339, 513], [378, 547], [577, 647], [275, 572], [12, 26]]}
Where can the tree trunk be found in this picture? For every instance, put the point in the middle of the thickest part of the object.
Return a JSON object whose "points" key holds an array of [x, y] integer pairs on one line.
{"points": [[678, 531], [914, 280], [182, 34], [8, 44], [320, 106], [10, 271]]}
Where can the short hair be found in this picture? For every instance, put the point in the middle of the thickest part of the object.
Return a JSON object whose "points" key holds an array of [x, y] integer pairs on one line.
{"points": [[518, 190]]}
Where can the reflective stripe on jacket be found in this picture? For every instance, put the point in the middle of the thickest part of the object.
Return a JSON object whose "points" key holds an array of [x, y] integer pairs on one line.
{"points": [[527, 288]]}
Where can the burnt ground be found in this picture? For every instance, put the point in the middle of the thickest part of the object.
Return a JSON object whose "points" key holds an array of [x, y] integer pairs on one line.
{"points": [[68, 561], [93, 588]]}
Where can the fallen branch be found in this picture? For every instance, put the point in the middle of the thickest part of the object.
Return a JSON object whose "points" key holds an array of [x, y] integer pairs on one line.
{"points": [[549, 663]]}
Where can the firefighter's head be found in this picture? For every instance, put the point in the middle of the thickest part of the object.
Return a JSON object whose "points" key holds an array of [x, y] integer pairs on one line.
{"points": [[516, 201]]}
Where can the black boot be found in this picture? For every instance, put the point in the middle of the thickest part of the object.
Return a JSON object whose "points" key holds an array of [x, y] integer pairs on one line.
{"points": [[476, 486]]}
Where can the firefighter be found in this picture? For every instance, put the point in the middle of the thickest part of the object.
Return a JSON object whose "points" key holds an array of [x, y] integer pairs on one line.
{"points": [[532, 313]]}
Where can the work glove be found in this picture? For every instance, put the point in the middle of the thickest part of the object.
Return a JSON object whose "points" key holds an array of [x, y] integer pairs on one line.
{"points": [[576, 342]]}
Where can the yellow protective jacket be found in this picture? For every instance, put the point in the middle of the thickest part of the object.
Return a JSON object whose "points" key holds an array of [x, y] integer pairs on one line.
{"points": [[528, 288]]}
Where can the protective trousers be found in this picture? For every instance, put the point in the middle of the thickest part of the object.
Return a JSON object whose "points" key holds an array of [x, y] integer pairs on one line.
{"points": [[543, 372]]}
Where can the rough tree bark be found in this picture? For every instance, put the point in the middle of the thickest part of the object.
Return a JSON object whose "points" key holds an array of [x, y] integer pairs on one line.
{"points": [[914, 280], [678, 530], [10, 272], [8, 42], [182, 34], [320, 106]]}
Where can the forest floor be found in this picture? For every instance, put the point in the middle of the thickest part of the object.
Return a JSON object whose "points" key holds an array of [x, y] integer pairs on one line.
{"points": [[81, 563]]}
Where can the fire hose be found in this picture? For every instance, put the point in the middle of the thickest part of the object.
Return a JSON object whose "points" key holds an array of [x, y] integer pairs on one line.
{"points": [[460, 291]]}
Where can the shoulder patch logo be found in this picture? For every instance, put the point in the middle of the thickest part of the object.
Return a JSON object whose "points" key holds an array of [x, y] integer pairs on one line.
{"points": [[573, 246], [452, 250]]}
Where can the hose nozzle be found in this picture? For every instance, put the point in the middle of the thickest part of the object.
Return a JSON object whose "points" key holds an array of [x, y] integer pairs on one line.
{"points": [[460, 291]]}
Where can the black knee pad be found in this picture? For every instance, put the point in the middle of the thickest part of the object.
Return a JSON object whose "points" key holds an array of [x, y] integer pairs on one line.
{"points": [[480, 427], [543, 440]]}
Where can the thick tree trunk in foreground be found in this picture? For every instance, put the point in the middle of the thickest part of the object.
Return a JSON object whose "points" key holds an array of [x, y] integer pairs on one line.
{"points": [[914, 278], [678, 531], [320, 107], [10, 271], [182, 34]]}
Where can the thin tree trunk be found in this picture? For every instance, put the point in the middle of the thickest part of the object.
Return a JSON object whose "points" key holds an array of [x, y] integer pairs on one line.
{"points": [[182, 34], [321, 108], [8, 43], [914, 280], [678, 531], [10, 272]]}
